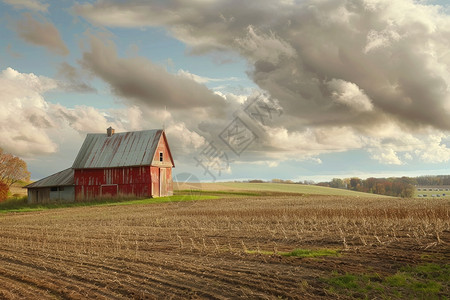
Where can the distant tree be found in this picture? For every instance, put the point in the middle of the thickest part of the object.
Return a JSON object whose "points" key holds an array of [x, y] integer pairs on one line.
{"points": [[4, 189], [370, 185], [397, 187], [409, 180], [337, 183], [407, 192], [380, 188], [346, 182], [256, 181], [12, 169], [355, 183], [433, 180], [277, 180]]}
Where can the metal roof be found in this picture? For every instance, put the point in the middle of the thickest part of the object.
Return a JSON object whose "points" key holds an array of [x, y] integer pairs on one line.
{"points": [[63, 178], [125, 149]]}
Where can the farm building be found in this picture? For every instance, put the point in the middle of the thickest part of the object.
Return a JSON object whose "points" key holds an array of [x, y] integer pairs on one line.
{"points": [[433, 191], [56, 187], [126, 164]]}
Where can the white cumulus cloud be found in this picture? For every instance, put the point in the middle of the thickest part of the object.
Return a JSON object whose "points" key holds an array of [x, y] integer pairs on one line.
{"points": [[349, 94]]}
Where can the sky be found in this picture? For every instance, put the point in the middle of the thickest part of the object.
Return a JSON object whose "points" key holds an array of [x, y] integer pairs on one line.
{"points": [[299, 90]]}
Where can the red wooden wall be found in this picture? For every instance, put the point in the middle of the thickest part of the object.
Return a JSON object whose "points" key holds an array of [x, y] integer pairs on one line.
{"points": [[96, 183]]}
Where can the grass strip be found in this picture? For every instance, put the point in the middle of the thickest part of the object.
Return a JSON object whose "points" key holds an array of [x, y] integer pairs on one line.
{"points": [[299, 252], [310, 253], [21, 205], [427, 281], [228, 193]]}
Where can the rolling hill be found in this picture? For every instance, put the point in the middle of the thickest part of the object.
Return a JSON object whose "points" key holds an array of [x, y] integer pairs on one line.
{"points": [[271, 187]]}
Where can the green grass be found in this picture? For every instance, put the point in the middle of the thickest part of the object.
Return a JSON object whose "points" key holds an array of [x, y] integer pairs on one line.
{"points": [[216, 193], [299, 252], [310, 253], [21, 205], [427, 281], [229, 189], [291, 188]]}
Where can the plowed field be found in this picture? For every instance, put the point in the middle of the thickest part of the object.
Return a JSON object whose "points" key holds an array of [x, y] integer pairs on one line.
{"points": [[216, 249]]}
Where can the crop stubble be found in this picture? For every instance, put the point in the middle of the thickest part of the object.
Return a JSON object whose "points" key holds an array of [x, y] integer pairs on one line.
{"points": [[199, 249]]}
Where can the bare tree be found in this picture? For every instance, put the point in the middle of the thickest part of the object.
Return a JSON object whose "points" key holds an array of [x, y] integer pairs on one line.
{"points": [[12, 169]]}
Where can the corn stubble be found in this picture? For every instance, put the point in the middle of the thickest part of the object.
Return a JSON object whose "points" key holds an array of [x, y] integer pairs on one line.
{"points": [[201, 249]]}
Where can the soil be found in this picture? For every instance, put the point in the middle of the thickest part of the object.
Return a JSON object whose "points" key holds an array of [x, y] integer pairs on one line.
{"points": [[201, 249]]}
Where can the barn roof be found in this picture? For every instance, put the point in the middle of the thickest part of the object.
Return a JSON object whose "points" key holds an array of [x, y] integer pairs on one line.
{"points": [[125, 149], [63, 178]]}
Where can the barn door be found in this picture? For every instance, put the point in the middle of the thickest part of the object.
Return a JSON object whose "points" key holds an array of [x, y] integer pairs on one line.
{"points": [[162, 182], [109, 190]]}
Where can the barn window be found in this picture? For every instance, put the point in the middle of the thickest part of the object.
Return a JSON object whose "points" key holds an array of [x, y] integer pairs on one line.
{"points": [[54, 189], [160, 156]]}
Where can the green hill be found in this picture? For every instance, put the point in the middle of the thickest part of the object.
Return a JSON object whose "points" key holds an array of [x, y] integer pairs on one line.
{"points": [[273, 187]]}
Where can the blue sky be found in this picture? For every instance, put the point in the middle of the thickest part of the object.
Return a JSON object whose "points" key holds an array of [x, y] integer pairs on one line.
{"points": [[316, 90]]}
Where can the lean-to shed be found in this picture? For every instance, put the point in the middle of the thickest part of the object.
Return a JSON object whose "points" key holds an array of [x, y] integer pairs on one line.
{"points": [[58, 187]]}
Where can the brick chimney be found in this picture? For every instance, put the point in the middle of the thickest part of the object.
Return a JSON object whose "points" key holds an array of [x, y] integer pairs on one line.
{"points": [[110, 131]]}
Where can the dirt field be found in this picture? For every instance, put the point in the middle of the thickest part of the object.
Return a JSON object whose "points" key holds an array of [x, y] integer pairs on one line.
{"points": [[209, 249]]}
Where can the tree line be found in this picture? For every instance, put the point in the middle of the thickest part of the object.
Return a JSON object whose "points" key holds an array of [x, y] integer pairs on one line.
{"points": [[12, 170], [394, 186], [436, 180], [397, 187]]}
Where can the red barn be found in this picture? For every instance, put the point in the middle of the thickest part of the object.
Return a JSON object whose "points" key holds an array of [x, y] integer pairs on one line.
{"points": [[135, 163]]}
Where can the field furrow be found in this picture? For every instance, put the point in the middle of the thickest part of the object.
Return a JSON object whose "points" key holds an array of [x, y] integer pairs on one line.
{"points": [[217, 249]]}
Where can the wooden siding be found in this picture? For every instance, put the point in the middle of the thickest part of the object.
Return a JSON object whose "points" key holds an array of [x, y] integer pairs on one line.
{"points": [[155, 181], [49, 194], [162, 147], [166, 183], [132, 181]]}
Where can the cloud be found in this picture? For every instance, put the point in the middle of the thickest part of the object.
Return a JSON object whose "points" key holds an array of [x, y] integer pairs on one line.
{"points": [[203, 79], [435, 151], [392, 144], [387, 156], [379, 39], [33, 5], [43, 34], [302, 145], [145, 83], [371, 75], [394, 51], [83, 119], [72, 80], [31, 127], [349, 94], [23, 117], [264, 47]]}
